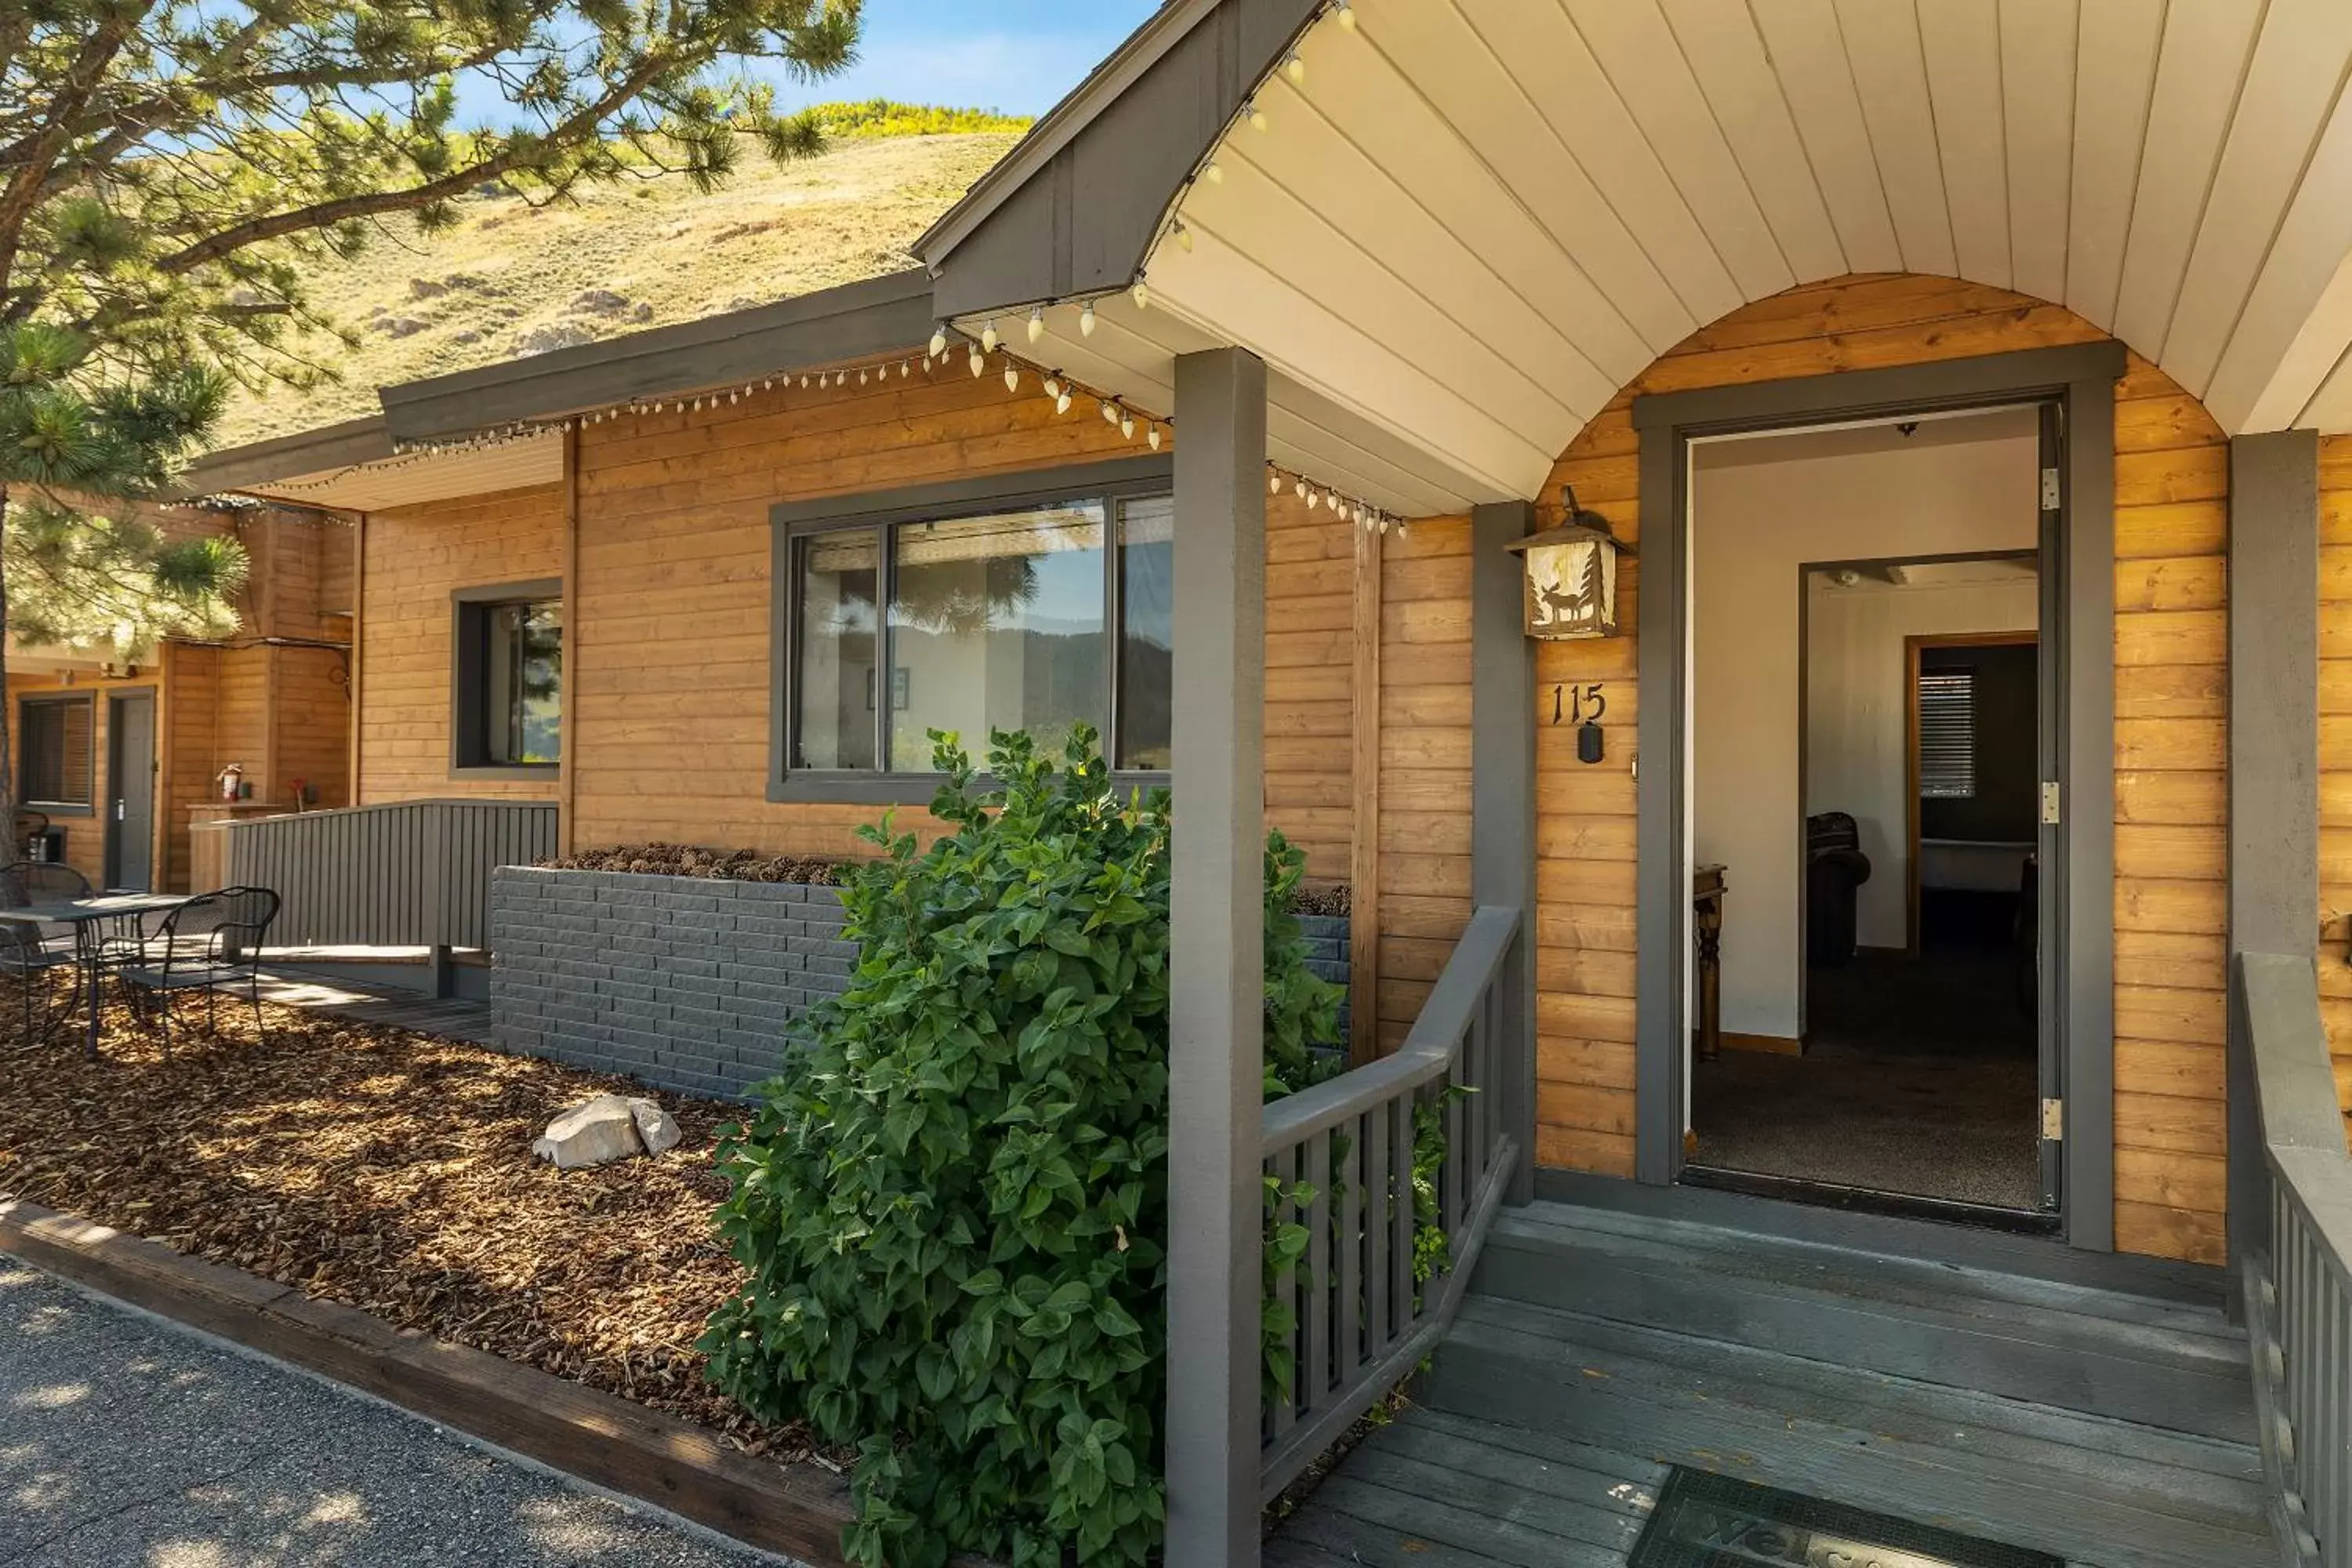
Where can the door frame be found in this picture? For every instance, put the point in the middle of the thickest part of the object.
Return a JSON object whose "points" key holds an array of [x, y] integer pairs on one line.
{"points": [[2079, 381], [1914, 645], [116, 701]]}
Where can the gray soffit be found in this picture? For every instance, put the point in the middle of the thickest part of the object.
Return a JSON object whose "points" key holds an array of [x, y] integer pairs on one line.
{"points": [[1072, 210], [330, 447], [881, 315]]}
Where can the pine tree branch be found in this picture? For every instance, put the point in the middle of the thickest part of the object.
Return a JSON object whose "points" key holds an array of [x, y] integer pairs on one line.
{"points": [[24, 189], [322, 215]]}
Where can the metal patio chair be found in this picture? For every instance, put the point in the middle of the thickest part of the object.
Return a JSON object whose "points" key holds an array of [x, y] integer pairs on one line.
{"points": [[212, 939], [30, 956]]}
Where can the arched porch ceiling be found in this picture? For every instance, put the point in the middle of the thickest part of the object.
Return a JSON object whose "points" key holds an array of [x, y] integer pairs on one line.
{"points": [[1468, 222]]}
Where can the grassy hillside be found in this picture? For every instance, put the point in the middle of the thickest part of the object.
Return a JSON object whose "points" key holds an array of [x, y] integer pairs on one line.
{"points": [[508, 278]]}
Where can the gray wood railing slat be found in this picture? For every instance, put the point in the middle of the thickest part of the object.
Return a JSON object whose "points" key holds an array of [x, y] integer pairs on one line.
{"points": [[1316, 1383], [2299, 1290], [1362, 1322]]}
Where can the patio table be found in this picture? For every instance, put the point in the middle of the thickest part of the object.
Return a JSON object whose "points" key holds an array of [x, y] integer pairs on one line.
{"points": [[85, 916]]}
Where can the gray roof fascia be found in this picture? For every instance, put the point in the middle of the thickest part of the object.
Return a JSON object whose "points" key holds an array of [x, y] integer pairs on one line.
{"points": [[1142, 48], [341, 446], [1073, 210], [879, 315]]}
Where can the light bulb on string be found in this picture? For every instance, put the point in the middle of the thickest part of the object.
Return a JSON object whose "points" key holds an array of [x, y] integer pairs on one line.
{"points": [[1214, 173], [1347, 16], [1273, 480], [1127, 425], [1295, 68], [1300, 490], [1036, 323], [1314, 498], [979, 360], [989, 338], [1183, 237], [1155, 437], [1053, 384], [1111, 413], [1086, 320], [1142, 292], [1258, 118], [1012, 378], [939, 341], [1062, 401]]}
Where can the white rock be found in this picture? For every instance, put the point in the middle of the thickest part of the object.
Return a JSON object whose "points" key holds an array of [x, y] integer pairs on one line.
{"points": [[656, 1128], [594, 1133]]}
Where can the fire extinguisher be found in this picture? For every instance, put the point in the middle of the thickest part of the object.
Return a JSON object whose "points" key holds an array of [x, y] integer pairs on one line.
{"points": [[232, 782]]}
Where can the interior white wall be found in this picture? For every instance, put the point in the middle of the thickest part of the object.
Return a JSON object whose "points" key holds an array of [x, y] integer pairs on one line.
{"points": [[1856, 714], [1761, 509]]}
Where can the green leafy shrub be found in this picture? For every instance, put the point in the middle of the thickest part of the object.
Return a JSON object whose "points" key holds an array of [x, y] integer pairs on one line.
{"points": [[952, 1203]]}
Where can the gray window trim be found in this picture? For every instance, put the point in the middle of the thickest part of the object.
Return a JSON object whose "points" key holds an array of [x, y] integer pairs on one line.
{"points": [[2080, 379], [466, 712], [876, 511], [59, 808]]}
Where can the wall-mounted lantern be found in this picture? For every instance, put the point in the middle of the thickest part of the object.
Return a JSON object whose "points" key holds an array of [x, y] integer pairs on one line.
{"points": [[1572, 576]]}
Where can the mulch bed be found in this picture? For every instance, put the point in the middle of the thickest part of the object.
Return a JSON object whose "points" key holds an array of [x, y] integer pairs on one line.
{"points": [[750, 866], [393, 1172]]}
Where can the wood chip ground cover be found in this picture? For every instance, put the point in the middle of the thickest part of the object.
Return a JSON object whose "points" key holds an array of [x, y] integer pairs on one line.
{"points": [[393, 1172]]}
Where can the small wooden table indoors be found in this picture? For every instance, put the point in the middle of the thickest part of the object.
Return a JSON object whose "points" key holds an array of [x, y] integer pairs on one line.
{"points": [[90, 920], [1707, 933]]}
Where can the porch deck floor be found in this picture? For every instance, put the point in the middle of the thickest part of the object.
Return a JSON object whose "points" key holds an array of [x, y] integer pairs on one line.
{"points": [[1546, 1431], [448, 1018]]}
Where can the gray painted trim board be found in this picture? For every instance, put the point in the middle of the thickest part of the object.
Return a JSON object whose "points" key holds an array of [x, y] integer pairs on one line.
{"points": [[2274, 577], [1503, 798], [1216, 957], [2080, 378]]}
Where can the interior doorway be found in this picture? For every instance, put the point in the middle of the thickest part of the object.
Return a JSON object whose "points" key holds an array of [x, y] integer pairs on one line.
{"points": [[1870, 718]]}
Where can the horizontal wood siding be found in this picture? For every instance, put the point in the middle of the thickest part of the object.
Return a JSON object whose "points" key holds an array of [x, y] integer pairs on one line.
{"points": [[417, 556], [2171, 524], [2336, 755], [671, 699], [1424, 762]]}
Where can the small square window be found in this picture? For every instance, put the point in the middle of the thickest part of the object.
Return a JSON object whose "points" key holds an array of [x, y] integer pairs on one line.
{"points": [[56, 742], [509, 677]]}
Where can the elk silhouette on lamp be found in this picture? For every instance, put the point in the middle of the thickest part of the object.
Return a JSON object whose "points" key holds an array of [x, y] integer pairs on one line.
{"points": [[1572, 574]]}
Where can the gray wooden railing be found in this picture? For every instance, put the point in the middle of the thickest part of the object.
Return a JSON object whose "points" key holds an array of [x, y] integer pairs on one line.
{"points": [[2298, 1289], [1362, 1321], [416, 873]]}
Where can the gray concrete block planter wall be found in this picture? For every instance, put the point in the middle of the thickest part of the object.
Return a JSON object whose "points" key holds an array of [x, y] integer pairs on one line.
{"points": [[687, 984]]}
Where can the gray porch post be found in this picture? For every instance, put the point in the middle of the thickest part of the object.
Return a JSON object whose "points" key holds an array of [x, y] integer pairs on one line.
{"points": [[2273, 756], [1217, 962], [1503, 798]]}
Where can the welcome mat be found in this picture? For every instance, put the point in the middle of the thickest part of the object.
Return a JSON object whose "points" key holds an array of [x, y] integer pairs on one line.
{"points": [[1705, 1520]]}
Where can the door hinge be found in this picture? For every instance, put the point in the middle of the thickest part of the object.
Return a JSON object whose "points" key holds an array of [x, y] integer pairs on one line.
{"points": [[2050, 799], [2049, 490], [2053, 1121]]}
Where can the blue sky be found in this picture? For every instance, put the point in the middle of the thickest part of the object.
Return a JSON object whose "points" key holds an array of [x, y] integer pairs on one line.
{"points": [[1018, 55]]}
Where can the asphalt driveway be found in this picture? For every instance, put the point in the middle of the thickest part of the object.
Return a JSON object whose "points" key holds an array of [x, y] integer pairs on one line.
{"points": [[125, 1443]]}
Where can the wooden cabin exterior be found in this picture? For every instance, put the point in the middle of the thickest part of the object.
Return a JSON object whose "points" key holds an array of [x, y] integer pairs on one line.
{"points": [[273, 698], [1368, 351]]}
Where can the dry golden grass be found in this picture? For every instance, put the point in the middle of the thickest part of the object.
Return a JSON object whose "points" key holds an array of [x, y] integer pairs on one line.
{"points": [[470, 295]]}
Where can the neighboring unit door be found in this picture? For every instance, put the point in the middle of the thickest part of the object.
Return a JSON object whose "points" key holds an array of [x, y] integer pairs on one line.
{"points": [[131, 790]]}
